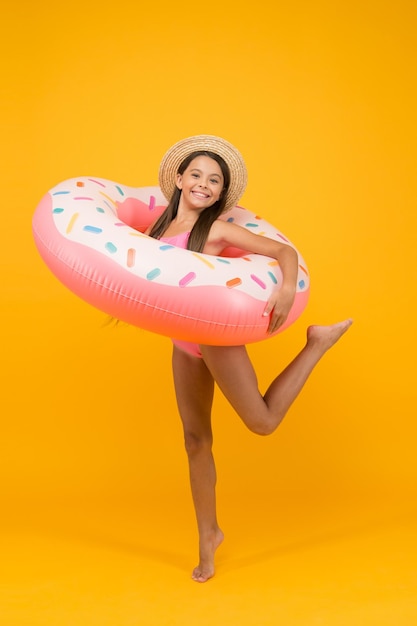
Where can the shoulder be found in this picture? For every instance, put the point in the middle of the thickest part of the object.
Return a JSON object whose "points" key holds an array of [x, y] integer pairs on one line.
{"points": [[218, 237], [226, 232], [220, 230]]}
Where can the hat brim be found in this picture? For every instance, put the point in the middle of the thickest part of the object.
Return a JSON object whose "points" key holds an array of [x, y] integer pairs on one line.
{"points": [[182, 149]]}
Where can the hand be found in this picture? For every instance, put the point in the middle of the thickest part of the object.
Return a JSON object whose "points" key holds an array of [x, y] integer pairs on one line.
{"points": [[278, 307]]}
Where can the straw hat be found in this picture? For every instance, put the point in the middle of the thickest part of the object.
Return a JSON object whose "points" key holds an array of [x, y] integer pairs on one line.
{"points": [[179, 151]]}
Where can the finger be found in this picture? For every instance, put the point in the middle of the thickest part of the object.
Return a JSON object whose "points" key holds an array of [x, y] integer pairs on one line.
{"points": [[278, 321], [275, 323]]}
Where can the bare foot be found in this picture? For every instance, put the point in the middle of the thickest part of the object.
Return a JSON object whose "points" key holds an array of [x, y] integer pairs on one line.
{"points": [[205, 568], [324, 337]]}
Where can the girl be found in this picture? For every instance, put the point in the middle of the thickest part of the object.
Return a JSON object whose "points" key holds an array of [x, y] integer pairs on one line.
{"points": [[203, 176]]}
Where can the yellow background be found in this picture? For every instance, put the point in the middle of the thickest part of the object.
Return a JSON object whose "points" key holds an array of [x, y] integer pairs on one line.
{"points": [[320, 98]]}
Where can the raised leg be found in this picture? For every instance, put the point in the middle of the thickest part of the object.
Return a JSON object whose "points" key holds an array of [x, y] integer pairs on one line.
{"points": [[232, 370]]}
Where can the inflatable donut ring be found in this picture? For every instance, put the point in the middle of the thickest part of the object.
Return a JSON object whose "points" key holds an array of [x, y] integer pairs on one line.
{"points": [[89, 232]]}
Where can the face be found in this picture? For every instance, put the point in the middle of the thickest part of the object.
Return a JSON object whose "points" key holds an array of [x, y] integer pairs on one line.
{"points": [[201, 183]]}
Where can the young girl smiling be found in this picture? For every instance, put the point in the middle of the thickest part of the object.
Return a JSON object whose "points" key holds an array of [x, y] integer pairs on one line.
{"points": [[202, 177]]}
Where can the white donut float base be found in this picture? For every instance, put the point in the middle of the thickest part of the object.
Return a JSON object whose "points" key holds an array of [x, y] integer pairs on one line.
{"points": [[89, 232]]}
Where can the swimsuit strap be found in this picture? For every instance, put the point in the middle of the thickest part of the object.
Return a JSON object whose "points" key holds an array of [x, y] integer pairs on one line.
{"points": [[177, 240]]}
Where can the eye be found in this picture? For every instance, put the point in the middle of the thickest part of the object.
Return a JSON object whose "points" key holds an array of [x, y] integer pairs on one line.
{"points": [[194, 175], [215, 181]]}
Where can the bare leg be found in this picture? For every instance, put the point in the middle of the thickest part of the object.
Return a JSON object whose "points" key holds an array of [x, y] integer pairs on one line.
{"points": [[232, 370], [194, 387]]}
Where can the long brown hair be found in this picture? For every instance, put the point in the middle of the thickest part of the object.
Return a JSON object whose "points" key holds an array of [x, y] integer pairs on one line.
{"points": [[201, 228]]}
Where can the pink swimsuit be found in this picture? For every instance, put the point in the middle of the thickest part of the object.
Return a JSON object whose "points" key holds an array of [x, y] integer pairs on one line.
{"points": [[181, 241]]}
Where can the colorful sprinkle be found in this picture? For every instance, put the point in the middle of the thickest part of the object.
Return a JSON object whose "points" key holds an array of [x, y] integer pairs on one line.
{"points": [[233, 282], [222, 260], [273, 277], [97, 182], [82, 198], [61, 193], [99, 209], [72, 222], [251, 225], [230, 219], [137, 233], [258, 281], [304, 269], [153, 273], [131, 255], [301, 284], [166, 246], [152, 202], [120, 190], [110, 247], [93, 229], [282, 237], [187, 279], [108, 198], [58, 210], [80, 183], [203, 260], [273, 263]]}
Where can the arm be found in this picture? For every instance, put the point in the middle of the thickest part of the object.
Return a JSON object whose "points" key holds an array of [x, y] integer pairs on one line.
{"points": [[281, 301], [224, 234]]}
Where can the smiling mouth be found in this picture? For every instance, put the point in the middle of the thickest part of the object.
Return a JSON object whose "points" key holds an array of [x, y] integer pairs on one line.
{"points": [[200, 194]]}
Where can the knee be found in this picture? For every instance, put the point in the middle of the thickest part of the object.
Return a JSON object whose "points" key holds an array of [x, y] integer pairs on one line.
{"points": [[265, 424], [263, 430], [196, 443]]}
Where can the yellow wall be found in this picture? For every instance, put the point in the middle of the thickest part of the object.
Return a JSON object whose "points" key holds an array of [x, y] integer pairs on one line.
{"points": [[320, 98]]}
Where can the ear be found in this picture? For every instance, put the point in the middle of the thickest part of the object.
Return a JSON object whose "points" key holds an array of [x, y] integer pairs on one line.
{"points": [[178, 181]]}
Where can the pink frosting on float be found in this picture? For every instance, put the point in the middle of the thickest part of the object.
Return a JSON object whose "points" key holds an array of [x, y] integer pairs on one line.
{"points": [[143, 282]]}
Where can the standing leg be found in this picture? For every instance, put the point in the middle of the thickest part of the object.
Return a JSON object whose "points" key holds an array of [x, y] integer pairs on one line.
{"points": [[232, 370], [194, 388]]}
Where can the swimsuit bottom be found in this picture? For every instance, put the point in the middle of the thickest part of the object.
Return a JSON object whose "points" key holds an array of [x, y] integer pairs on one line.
{"points": [[187, 346]]}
